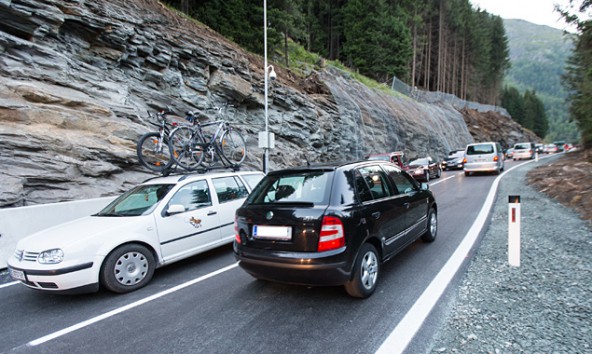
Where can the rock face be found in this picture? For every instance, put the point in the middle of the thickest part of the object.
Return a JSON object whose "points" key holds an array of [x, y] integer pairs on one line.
{"points": [[77, 78]]}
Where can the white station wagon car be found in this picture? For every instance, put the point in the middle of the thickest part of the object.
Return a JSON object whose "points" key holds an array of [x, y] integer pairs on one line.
{"points": [[161, 221]]}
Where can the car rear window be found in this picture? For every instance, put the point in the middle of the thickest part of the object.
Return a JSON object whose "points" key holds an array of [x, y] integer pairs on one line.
{"points": [[480, 149], [310, 187], [521, 147]]}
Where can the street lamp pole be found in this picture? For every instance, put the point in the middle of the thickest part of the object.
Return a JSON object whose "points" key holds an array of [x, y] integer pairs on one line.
{"points": [[266, 147]]}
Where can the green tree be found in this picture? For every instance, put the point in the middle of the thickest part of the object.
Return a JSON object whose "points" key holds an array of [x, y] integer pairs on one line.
{"points": [[535, 117], [578, 77], [513, 102]]}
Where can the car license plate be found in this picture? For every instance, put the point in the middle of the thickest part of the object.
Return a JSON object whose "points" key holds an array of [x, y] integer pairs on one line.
{"points": [[17, 274], [272, 232]]}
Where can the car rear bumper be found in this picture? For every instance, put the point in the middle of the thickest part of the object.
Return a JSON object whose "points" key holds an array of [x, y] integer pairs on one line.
{"points": [[315, 269], [481, 167]]}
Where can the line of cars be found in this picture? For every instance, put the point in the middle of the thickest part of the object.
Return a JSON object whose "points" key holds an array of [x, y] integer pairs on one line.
{"points": [[330, 224]]}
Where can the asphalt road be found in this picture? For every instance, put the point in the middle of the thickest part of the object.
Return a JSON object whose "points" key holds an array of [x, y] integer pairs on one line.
{"points": [[188, 309]]}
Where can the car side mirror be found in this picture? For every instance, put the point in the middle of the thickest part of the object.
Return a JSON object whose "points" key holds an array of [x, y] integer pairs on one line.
{"points": [[424, 186], [175, 209]]}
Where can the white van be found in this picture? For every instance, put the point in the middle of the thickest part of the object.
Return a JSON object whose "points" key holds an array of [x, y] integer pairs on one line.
{"points": [[483, 157]]}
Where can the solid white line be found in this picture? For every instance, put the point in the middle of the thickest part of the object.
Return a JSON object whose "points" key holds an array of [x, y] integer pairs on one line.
{"points": [[9, 284], [406, 329], [442, 180], [127, 307]]}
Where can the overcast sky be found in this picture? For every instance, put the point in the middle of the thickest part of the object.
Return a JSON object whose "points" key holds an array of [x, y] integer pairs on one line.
{"points": [[540, 12]]}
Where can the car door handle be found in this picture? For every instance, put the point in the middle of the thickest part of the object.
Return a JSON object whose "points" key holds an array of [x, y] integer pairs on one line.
{"points": [[211, 212], [376, 214], [406, 205]]}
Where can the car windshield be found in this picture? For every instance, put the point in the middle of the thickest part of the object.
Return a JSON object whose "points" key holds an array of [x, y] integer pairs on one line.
{"points": [[480, 149], [138, 201], [305, 187], [419, 162]]}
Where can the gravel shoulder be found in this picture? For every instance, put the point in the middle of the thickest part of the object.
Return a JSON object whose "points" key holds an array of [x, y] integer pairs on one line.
{"points": [[543, 306]]}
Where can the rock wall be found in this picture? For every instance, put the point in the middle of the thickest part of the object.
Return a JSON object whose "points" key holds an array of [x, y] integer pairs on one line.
{"points": [[77, 78]]}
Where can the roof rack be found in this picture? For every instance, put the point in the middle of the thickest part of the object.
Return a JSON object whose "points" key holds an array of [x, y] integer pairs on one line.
{"points": [[173, 171]]}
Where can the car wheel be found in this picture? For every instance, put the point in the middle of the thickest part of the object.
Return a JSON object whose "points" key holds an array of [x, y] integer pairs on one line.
{"points": [[467, 173], [432, 231], [427, 176], [366, 270], [127, 268]]}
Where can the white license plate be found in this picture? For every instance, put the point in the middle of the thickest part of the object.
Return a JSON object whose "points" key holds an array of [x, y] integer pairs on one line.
{"points": [[17, 274], [272, 232]]}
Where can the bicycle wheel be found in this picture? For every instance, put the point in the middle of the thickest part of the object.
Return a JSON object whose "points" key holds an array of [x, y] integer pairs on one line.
{"points": [[153, 153], [233, 147], [186, 148]]}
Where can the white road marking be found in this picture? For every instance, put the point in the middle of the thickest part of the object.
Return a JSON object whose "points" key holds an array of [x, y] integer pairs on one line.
{"points": [[9, 284], [440, 180], [406, 329], [119, 310]]}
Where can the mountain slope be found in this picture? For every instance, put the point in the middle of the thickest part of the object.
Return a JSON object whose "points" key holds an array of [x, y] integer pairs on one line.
{"points": [[538, 55]]}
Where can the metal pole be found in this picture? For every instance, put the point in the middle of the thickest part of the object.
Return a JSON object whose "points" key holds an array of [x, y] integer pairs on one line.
{"points": [[266, 148]]}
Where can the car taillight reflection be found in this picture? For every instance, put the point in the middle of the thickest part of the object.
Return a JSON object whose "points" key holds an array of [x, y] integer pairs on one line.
{"points": [[331, 236]]}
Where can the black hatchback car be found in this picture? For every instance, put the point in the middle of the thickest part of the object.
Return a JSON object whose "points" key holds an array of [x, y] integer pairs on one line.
{"points": [[332, 224]]}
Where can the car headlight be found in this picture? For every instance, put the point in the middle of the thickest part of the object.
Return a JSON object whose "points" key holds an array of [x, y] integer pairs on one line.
{"points": [[51, 256], [419, 170]]}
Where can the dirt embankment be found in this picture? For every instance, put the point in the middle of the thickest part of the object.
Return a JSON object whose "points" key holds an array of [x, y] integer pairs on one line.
{"points": [[567, 180], [493, 126]]}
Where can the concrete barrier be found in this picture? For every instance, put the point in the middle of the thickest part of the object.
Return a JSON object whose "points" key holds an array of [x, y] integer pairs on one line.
{"points": [[16, 223]]}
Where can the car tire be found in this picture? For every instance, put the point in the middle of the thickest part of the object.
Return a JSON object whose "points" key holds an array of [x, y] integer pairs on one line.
{"points": [[127, 268], [427, 176], [432, 228], [366, 271], [467, 173]]}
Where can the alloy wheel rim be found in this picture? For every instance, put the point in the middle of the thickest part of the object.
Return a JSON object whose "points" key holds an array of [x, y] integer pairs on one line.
{"points": [[131, 268], [369, 270], [433, 224]]}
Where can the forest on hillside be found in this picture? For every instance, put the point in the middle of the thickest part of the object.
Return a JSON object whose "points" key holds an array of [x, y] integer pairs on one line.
{"points": [[445, 46]]}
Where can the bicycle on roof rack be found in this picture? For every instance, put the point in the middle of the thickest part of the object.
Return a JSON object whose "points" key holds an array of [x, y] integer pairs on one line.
{"points": [[153, 148], [196, 146]]}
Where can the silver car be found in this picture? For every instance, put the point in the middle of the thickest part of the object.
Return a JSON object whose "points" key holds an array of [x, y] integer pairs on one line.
{"points": [[524, 151], [483, 157]]}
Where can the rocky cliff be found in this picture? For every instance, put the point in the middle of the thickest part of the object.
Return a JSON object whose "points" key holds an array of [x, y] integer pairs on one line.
{"points": [[77, 78]]}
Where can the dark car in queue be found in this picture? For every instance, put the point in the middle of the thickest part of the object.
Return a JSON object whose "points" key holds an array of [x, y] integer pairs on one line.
{"points": [[424, 169], [332, 224], [454, 160]]}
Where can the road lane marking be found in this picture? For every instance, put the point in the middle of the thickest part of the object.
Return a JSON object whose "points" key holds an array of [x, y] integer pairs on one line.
{"points": [[9, 284], [442, 180], [406, 329], [119, 310]]}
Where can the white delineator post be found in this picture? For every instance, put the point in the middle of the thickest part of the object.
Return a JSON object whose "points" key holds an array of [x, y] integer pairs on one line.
{"points": [[514, 230]]}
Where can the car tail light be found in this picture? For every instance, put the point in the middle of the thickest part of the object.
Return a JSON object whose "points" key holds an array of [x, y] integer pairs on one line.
{"points": [[236, 235], [331, 236], [465, 160], [495, 158]]}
